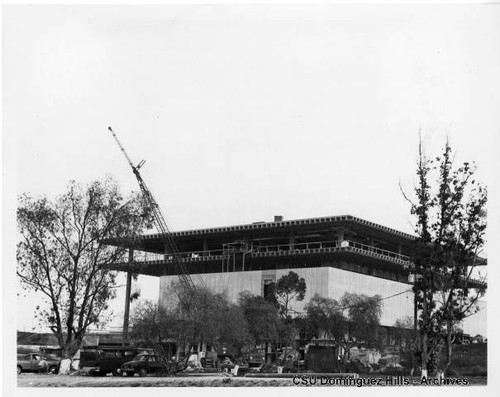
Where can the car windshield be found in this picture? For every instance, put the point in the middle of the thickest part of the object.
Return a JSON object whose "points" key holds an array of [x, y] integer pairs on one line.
{"points": [[142, 357]]}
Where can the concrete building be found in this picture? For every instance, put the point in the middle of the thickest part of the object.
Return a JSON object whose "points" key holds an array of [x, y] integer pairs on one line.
{"points": [[334, 255]]}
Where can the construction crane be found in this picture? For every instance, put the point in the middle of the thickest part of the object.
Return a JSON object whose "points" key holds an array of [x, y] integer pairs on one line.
{"points": [[161, 225]]}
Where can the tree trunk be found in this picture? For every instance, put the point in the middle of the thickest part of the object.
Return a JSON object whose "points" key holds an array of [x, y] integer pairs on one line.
{"points": [[414, 360], [449, 347], [425, 337], [68, 351], [425, 356], [65, 367]]}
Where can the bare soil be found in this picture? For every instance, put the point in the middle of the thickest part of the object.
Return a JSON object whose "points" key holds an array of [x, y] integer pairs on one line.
{"points": [[46, 380]]}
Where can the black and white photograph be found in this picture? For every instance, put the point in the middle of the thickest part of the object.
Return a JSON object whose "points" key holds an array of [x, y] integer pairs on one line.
{"points": [[228, 195]]}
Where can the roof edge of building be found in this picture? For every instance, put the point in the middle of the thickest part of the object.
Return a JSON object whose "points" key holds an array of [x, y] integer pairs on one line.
{"points": [[285, 223]]}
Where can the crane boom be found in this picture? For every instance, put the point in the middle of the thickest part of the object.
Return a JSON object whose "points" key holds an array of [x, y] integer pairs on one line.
{"points": [[122, 149], [161, 224]]}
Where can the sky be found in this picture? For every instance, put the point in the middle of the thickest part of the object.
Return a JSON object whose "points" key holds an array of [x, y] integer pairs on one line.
{"points": [[246, 112]]}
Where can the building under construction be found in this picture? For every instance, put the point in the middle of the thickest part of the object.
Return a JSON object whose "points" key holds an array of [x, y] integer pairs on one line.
{"points": [[334, 255]]}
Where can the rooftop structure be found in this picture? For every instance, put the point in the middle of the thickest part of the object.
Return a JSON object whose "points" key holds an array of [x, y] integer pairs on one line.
{"points": [[334, 254], [267, 245], [335, 240]]}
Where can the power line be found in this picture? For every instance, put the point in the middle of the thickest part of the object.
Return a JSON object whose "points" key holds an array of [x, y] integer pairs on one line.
{"points": [[377, 300]]}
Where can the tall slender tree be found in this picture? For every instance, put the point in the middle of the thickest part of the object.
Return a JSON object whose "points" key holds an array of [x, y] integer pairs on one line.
{"points": [[289, 288], [450, 222]]}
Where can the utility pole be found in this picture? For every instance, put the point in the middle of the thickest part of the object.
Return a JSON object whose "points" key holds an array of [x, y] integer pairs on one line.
{"points": [[126, 313]]}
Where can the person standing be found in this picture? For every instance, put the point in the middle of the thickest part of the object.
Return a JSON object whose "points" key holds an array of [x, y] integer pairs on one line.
{"points": [[42, 364]]}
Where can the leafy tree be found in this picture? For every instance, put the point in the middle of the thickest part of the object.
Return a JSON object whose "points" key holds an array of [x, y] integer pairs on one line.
{"points": [[450, 221], [234, 333], [354, 318], [326, 314], [364, 314], [150, 324], [262, 318], [403, 333], [62, 254], [201, 316], [405, 338], [288, 288]]}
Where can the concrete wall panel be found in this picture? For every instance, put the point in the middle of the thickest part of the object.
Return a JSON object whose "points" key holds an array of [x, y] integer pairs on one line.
{"points": [[325, 281]]}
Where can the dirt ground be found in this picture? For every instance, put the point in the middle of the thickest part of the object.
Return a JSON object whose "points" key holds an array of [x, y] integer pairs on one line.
{"points": [[44, 380]]}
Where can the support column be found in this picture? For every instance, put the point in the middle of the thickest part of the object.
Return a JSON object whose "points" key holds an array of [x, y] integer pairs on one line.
{"points": [[292, 241], [243, 252], [165, 251], [126, 313], [340, 235]]}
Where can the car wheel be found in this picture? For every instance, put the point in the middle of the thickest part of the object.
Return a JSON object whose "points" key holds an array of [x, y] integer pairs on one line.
{"points": [[130, 373], [19, 370], [117, 372], [53, 369], [143, 372]]}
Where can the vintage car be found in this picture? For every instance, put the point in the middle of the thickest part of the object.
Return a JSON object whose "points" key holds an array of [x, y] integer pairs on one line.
{"points": [[144, 364], [36, 362], [101, 360]]}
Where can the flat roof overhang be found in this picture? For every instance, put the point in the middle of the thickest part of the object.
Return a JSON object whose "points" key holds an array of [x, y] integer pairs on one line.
{"points": [[261, 230]]}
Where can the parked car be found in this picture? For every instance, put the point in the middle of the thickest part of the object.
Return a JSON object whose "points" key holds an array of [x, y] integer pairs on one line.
{"points": [[101, 360], [256, 359], [145, 364], [36, 362]]}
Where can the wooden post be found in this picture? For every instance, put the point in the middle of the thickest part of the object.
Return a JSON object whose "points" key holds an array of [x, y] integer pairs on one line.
{"points": [[127, 298]]}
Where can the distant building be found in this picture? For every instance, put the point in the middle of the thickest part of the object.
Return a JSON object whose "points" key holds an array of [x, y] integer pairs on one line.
{"points": [[334, 255]]}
